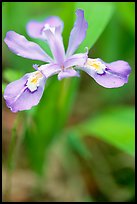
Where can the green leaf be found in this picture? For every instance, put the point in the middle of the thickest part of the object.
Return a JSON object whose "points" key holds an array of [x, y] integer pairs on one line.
{"points": [[48, 118], [115, 126], [78, 145], [11, 75], [32, 11], [3, 87], [126, 12], [45, 121], [97, 15]]}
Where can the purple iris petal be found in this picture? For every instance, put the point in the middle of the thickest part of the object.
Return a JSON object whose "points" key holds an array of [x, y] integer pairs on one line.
{"points": [[35, 28], [68, 73], [56, 45], [17, 86], [49, 69], [24, 48], [18, 97], [120, 67], [115, 75], [27, 91], [78, 33], [76, 60]]}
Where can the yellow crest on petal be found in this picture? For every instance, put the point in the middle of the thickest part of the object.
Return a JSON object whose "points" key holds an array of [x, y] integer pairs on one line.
{"points": [[33, 80], [96, 64]]}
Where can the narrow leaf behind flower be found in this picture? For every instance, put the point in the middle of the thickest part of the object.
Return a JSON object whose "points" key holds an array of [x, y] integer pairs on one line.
{"points": [[45, 121], [53, 111], [97, 15]]}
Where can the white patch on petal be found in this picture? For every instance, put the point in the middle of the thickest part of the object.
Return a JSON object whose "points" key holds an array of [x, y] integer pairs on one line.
{"points": [[96, 65], [34, 81], [48, 27]]}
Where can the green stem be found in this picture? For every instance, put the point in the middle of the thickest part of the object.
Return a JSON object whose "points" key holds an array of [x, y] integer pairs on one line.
{"points": [[14, 147]]}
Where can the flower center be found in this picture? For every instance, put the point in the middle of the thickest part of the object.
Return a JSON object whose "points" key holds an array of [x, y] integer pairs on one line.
{"points": [[97, 65], [34, 81], [62, 67]]}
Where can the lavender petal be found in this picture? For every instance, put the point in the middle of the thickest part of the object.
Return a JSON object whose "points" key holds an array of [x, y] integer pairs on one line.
{"points": [[76, 60], [49, 69], [120, 67], [18, 97], [34, 28], [68, 73], [19, 45], [55, 42], [115, 75], [78, 33]]}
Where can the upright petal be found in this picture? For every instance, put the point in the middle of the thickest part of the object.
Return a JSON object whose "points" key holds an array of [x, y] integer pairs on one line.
{"points": [[78, 33], [19, 45], [49, 70], [55, 42], [76, 60], [18, 97], [68, 73], [35, 28], [111, 75]]}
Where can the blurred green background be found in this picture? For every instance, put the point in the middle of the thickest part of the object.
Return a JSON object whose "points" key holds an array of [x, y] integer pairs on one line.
{"points": [[78, 143]]}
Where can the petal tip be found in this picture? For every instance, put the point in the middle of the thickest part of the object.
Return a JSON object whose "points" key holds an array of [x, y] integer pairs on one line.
{"points": [[80, 12]]}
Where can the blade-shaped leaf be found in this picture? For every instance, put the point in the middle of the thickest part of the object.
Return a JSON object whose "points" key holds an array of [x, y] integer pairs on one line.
{"points": [[48, 118], [53, 111], [115, 126], [97, 14]]}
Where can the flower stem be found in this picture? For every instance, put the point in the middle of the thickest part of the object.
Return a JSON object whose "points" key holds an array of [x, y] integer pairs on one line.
{"points": [[14, 147]]}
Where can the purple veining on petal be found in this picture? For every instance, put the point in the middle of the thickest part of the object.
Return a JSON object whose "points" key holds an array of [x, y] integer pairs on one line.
{"points": [[16, 86], [120, 67], [27, 100], [116, 74], [18, 97], [31, 92], [26, 92]]}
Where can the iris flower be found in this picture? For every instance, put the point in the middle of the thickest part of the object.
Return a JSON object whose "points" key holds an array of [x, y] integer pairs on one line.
{"points": [[27, 91]]}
